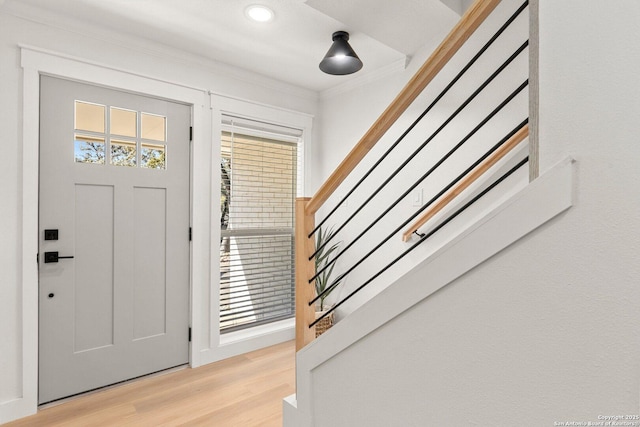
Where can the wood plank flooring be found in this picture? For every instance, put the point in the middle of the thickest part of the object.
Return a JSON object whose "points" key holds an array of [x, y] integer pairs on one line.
{"points": [[245, 390]]}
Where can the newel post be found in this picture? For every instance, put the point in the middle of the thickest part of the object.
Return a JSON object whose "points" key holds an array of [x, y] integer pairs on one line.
{"points": [[305, 269]]}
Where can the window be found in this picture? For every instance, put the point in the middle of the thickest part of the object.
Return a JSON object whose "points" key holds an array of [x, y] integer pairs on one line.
{"points": [[259, 181], [97, 127], [89, 145]]}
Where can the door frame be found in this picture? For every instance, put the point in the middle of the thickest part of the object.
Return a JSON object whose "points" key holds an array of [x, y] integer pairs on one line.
{"points": [[36, 62]]}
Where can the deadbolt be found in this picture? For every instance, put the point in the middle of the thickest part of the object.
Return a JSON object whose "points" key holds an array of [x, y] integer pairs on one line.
{"points": [[51, 234]]}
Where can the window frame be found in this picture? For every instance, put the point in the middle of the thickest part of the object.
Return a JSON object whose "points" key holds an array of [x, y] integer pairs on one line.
{"points": [[237, 342]]}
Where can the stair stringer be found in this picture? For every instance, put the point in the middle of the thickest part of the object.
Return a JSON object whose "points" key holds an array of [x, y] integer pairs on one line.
{"points": [[534, 205]]}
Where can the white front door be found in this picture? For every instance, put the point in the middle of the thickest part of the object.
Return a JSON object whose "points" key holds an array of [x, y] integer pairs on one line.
{"points": [[114, 237]]}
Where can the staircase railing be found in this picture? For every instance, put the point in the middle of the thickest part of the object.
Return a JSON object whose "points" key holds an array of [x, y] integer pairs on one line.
{"points": [[306, 208]]}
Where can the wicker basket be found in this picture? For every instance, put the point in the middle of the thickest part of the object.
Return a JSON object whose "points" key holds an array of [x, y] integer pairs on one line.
{"points": [[324, 324]]}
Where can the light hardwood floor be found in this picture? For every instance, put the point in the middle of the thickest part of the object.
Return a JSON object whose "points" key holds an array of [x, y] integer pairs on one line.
{"points": [[245, 390]]}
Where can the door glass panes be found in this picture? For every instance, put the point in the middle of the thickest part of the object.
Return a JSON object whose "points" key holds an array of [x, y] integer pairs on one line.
{"points": [[123, 153], [123, 137], [89, 149], [153, 127], [90, 117], [124, 122], [152, 156]]}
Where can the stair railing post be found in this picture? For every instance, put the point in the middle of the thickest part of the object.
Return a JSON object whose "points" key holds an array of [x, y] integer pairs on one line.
{"points": [[305, 269]]}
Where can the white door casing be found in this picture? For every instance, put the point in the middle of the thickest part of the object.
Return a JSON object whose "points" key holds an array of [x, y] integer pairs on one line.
{"points": [[120, 308]]}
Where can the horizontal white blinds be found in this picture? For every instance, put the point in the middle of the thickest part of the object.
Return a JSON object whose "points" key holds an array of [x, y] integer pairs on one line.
{"points": [[249, 126], [258, 189]]}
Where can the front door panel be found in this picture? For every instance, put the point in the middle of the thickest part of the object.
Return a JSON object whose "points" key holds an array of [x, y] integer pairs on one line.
{"points": [[114, 183]]}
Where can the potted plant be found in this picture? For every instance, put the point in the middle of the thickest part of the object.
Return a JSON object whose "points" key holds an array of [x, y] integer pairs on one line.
{"points": [[324, 256]]}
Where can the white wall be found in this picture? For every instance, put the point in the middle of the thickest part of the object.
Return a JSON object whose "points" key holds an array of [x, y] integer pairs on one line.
{"points": [[137, 57], [347, 115], [547, 330]]}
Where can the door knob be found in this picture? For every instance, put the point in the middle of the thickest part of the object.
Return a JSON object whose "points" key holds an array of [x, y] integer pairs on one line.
{"points": [[54, 257]]}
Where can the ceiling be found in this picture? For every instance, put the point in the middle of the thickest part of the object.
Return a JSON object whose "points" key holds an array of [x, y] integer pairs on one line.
{"points": [[288, 49]]}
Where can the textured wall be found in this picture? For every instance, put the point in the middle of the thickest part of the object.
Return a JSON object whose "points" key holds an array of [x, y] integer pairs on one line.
{"points": [[548, 330]]}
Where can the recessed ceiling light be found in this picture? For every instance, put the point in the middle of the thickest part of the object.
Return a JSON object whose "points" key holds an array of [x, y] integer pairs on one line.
{"points": [[259, 13]]}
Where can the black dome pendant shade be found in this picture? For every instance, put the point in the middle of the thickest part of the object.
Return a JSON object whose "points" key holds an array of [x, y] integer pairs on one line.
{"points": [[341, 59]]}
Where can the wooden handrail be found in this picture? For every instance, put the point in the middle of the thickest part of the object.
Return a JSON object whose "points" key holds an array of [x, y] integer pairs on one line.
{"points": [[467, 25], [505, 148]]}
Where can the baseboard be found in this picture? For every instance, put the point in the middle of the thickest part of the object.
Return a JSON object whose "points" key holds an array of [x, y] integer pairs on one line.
{"points": [[290, 411], [15, 409]]}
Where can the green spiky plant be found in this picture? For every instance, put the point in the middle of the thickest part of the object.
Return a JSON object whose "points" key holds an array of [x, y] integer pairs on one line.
{"points": [[324, 257]]}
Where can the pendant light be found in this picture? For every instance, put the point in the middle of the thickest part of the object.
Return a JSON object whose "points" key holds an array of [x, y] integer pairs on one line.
{"points": [[341, 59]]}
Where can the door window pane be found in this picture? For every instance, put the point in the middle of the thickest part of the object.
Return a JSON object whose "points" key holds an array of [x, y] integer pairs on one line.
{"points": [[90, 117], [127, 130], [89, 150], [153, 156], [153, 127], [124, 122], [123, 153]]}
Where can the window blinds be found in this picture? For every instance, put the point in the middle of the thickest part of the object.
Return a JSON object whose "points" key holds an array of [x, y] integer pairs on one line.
{"points": [[259, 177]]}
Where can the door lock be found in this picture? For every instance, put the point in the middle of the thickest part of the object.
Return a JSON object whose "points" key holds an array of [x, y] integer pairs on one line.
{"points": [[51, 234], [54, 257]]}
